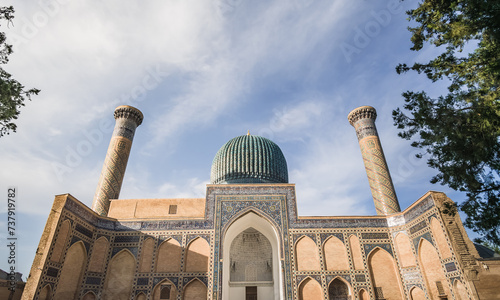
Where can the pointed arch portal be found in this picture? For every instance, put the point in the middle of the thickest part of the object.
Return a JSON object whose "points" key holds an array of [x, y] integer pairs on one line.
{"points": [[262, 272]]}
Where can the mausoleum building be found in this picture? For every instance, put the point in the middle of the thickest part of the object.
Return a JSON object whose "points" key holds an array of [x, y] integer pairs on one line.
{"points": [[245, 239]]}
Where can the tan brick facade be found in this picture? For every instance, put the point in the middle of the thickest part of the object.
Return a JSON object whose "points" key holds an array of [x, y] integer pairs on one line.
{"points": [[245, 240], [416, 254]]}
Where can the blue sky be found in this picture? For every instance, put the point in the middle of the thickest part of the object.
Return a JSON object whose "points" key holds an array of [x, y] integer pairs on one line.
{"points": [[203, 72]]}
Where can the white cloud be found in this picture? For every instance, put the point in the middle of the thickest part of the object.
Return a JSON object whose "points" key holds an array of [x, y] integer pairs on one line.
{"points": [[331, 176]]}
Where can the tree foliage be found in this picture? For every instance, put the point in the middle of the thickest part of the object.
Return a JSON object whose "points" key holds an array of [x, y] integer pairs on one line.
{"points": [[459, 131], [12, 93]]}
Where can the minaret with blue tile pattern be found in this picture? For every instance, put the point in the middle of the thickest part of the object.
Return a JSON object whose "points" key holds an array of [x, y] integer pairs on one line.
{"points": [[384, 195]]}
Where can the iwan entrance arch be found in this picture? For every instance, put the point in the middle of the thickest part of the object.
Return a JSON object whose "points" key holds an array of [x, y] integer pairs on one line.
{"points": [[252, 228]]}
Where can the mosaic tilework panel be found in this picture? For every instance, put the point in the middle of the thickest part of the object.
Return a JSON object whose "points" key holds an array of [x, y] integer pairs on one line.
{"points": [[300, 278], [203, 279], [174, 280], [369, 247], [294, 222], [365, 128], [374, 235], [419, 209], [75, 239], [339, 223], [137, 292], [133, 250], [412, 274], [52, 272], [267, 204], [191, 237], [125, 128], [432, 216], [419, 226], [83, 230], [360, 278], [426, 236], [296, 237], [178, 238], [142, 281], [284, 191], [93, 280], [452, 279], [329, 278], [450, 267], [325, 236], [126, 239]]}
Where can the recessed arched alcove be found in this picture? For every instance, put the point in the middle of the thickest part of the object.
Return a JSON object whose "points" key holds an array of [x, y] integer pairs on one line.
{"points": [[339, 289], [253, 228]]}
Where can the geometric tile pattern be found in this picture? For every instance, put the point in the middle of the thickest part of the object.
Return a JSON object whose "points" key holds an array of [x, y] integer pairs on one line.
{"points": [[226, 203], [382, 188], [115, 163]]}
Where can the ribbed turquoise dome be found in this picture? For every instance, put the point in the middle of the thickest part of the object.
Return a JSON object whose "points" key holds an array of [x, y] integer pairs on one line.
{"points": [[249, 159]]}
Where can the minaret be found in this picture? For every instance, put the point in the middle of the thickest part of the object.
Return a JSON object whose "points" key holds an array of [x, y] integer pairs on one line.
{"points": [[384, 195], [127, 119]]}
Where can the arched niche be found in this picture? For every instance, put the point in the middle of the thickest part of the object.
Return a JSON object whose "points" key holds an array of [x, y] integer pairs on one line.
{"points": [[146, 257], [120, 276], [363, 295], [440, 238], [335, 254], [165, 290], [432, 270], [61, 240], [416, 293], [99, 254], [339, 289], [384, 275], [195, 290], [71, 272], [141, 296], [405, 254], [168, 259], [45, 293], [89, 296], [310, 289], [197, 255], [251, 257], [240, 224], [460, 290], [307, 255], [357, 256]]}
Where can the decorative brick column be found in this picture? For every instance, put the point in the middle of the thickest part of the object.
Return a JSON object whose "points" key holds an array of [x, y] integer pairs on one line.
{"points": [[110, 182], [384, 195]]}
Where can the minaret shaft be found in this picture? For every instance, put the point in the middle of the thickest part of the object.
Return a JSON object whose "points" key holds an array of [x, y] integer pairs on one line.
{"points": [[110, 182], [383, 192]]}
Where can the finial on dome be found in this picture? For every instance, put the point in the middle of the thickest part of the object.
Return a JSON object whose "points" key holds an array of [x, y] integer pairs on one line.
{"points": [[248, 133]]}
